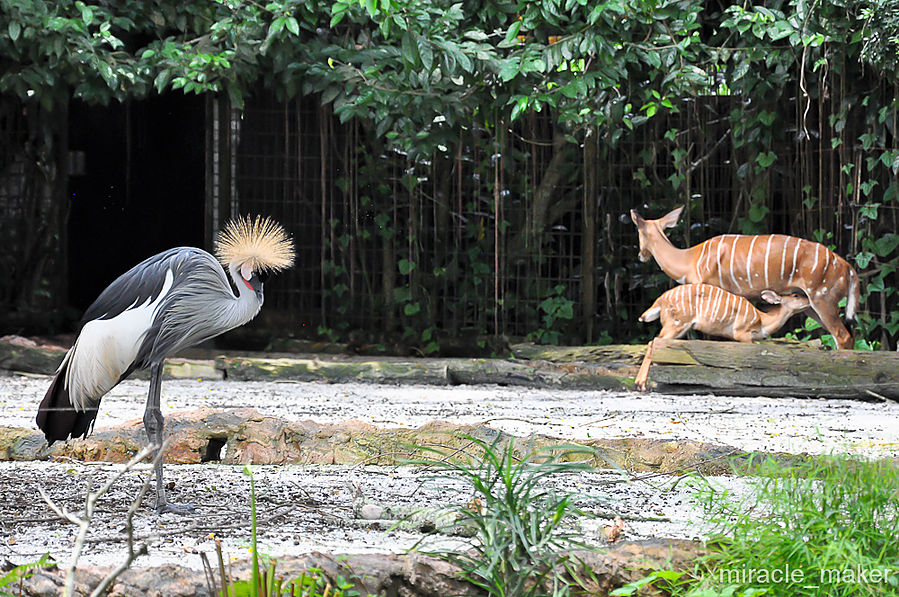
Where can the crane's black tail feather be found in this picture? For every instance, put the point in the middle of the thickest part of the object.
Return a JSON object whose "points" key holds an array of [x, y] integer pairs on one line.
{"points": [[56, 416]]}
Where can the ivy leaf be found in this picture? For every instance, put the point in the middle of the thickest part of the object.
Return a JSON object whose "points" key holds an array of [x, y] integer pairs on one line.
{"points": [[863, 259], [411, 309], [14, 30], [519, 106], [868, 210], [410, 50], [892, 192], [87, 15], [757, 212], [512, 33], [765, 159], [405, 266], [779, 30], [108, 74], [767, 118], [886, 244]]}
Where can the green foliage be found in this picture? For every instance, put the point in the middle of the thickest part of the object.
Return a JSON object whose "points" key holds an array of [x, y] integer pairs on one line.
{"points": [[311, 583], [430, 59], [818, 515], [821, 526], [14, 577], [810, 326], [556, 308], [521, 526], [431, 78]]}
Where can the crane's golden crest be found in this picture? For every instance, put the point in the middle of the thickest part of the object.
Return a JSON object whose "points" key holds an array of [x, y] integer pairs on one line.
{"points": [[259, 243]]}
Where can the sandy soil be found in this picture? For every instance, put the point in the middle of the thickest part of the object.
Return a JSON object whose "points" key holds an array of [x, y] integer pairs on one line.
{"points": [[319, 508]]}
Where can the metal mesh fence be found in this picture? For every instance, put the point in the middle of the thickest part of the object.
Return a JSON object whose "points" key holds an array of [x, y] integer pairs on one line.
{"points": [[522, 232]]}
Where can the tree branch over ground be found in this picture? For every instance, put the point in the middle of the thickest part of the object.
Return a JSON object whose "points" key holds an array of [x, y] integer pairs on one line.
{"points": [[83, 522]]}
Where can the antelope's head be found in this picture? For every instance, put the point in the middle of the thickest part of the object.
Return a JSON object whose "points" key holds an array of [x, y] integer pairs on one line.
{"points": [[650, 230], [793, 303]]}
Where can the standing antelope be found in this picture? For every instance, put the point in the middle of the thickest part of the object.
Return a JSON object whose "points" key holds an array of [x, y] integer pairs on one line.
{"points": [[715, 311], [747, 265], [711, 310]]}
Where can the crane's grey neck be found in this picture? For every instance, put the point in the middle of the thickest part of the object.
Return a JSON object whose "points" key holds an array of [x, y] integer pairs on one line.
{"points": [[201, 306]]}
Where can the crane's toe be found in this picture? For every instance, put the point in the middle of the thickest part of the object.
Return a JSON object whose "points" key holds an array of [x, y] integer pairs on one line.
{"points": [[181, 509]]}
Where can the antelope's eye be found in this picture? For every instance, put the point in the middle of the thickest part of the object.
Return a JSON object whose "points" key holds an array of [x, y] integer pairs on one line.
{"points": [[263, 276]]}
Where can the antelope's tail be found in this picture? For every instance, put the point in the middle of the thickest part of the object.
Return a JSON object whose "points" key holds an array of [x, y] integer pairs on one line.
{"points": [[853, 294], [651, 314]]}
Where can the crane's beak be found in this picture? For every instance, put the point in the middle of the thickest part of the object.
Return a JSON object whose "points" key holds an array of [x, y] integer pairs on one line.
{"points": [[256, 281]]}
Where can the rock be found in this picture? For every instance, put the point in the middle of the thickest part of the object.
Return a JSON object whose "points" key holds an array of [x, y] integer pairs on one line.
{"points": [[413, 575], [243, 436], [371, 512]]}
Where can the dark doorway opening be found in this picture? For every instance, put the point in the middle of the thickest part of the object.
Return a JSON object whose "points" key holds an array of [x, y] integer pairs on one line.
{"points": [[137, 186]]}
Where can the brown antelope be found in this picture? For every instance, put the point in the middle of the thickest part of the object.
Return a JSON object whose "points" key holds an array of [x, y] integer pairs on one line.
{"points": [[715, 311], [747, 265]]}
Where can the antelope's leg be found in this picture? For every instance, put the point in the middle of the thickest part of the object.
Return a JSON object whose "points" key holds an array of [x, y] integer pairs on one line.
{"points": [[673, 329], [643, 373], [830, 318]]}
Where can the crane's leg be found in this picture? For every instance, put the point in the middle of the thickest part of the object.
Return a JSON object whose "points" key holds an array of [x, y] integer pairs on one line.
{"points": [[154, 424]]}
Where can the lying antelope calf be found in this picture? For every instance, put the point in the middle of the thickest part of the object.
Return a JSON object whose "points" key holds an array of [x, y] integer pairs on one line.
{"points": [[711, 310], [717, 312]]}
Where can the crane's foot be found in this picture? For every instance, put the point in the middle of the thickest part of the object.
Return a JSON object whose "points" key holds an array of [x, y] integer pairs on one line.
{"points": [[181, 509]]}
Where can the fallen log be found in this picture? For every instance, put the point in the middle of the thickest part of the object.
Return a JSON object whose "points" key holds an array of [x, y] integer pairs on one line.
{"points": [[23, 358], [448, 371], [772, 369], [678, 367]]}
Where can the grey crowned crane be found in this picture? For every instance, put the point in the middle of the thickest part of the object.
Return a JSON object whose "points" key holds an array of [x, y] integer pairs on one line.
{"points": [[169, 302]]}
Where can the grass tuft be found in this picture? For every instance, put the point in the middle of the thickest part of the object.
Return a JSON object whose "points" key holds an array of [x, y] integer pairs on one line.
{"points": [[521, 528], [819, 526], [264, 582]]}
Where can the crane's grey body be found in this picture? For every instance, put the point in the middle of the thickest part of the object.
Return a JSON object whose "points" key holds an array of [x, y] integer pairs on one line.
{"points": [[171, 301]]}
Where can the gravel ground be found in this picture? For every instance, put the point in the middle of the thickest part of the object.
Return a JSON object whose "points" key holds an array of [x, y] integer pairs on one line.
{"points": [[300, 509], [304, 509], [757, 423]]}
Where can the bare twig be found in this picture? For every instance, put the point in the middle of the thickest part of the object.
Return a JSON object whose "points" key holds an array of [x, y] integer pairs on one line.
{"points": [[876, 395], [83, 523], [133, 553]]}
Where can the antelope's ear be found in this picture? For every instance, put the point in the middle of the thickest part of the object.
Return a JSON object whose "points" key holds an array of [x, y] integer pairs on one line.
{"points": [[671, 218], [636, 218], [771, 297]]}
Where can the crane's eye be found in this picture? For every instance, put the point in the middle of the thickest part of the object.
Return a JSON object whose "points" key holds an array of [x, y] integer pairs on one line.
{"points": [[263, 276]]}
